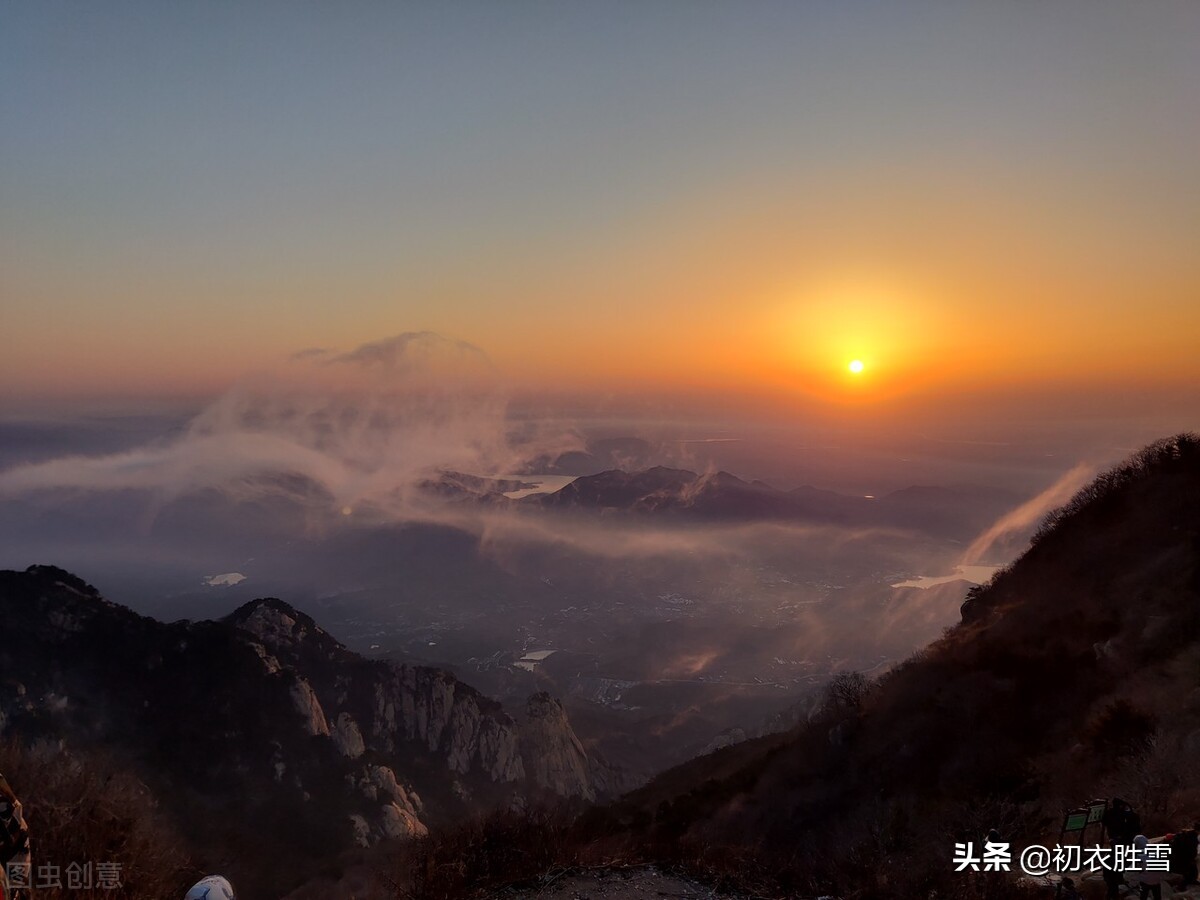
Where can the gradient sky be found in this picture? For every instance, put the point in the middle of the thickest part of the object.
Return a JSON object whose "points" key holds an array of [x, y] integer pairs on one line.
{"points": [[997, 194]]}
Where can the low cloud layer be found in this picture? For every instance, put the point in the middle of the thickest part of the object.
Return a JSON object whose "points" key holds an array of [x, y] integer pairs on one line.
{"points": [[1028, 513], [352, 438], [364, 426]]}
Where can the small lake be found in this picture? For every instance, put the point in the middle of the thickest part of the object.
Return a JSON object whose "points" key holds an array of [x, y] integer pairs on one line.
{"points": [[543, 484]]}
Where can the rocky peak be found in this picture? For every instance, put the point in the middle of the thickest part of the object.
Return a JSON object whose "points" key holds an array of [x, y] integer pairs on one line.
{"points": [[556, 759], [273, 621], [285, 631], [57, 605], [63, 579], [266, 704]]}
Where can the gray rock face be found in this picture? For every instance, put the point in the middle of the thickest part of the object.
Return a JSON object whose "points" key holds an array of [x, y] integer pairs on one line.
{"points": [[374, 709], [557, 759], [309, 707], [398, 822], [360, 830], [356, 750], [414, 703], [348, 738], [398, 810], [275, 626]]}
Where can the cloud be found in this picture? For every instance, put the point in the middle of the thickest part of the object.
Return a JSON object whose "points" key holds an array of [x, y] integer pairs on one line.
{"points": [[422, 354], [366, 426], [1029, 512], [363, 430], [309, 353]]}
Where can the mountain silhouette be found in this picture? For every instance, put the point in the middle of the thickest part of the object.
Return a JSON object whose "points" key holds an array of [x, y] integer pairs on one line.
{"points": [[1071, 676]]}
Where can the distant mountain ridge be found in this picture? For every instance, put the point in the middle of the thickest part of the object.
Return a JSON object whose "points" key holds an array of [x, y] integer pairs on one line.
{"points": [[720, 496], [1071, 676]]}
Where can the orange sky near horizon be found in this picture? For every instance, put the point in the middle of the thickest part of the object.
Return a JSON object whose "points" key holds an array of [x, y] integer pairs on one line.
{"points": [[977, 199], [916, 336], [911, 340]]}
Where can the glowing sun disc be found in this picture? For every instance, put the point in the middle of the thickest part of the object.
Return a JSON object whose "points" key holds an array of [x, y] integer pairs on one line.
{"points": [[856, 366]]}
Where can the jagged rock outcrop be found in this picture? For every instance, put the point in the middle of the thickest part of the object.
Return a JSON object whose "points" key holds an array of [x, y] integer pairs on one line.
{"points": [[308, 706], [385, 706], [400, 822], [266, 704], [399, 810], [557, 758], [414, 703], [348, 738], [360, 830]]}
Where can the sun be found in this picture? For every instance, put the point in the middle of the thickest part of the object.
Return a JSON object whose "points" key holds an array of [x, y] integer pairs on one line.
{"points": [[856, 366]]}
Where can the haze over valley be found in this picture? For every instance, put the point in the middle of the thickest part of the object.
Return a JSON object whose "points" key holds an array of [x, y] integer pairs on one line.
{"points": [[641, 570]]}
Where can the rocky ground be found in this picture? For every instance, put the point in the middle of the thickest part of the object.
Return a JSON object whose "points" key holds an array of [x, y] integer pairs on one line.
{"points": [[1092, 885], [643, 882], [625, 883]]}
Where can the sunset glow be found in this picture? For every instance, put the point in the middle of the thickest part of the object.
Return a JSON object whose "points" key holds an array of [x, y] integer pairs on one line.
{"points": [[1021, 239]]}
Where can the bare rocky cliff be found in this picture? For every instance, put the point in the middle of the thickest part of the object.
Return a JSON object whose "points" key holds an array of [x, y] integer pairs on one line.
{"points": [[556, 757], [268, 715]]}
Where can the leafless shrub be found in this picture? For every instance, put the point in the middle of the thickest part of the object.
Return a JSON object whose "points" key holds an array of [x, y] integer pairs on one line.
{"points": [[83, 809], [848, 690]]}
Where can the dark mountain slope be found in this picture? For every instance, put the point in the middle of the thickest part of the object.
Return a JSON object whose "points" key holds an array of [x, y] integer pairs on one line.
{"points": [[1073, 674], [266, 740]]}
